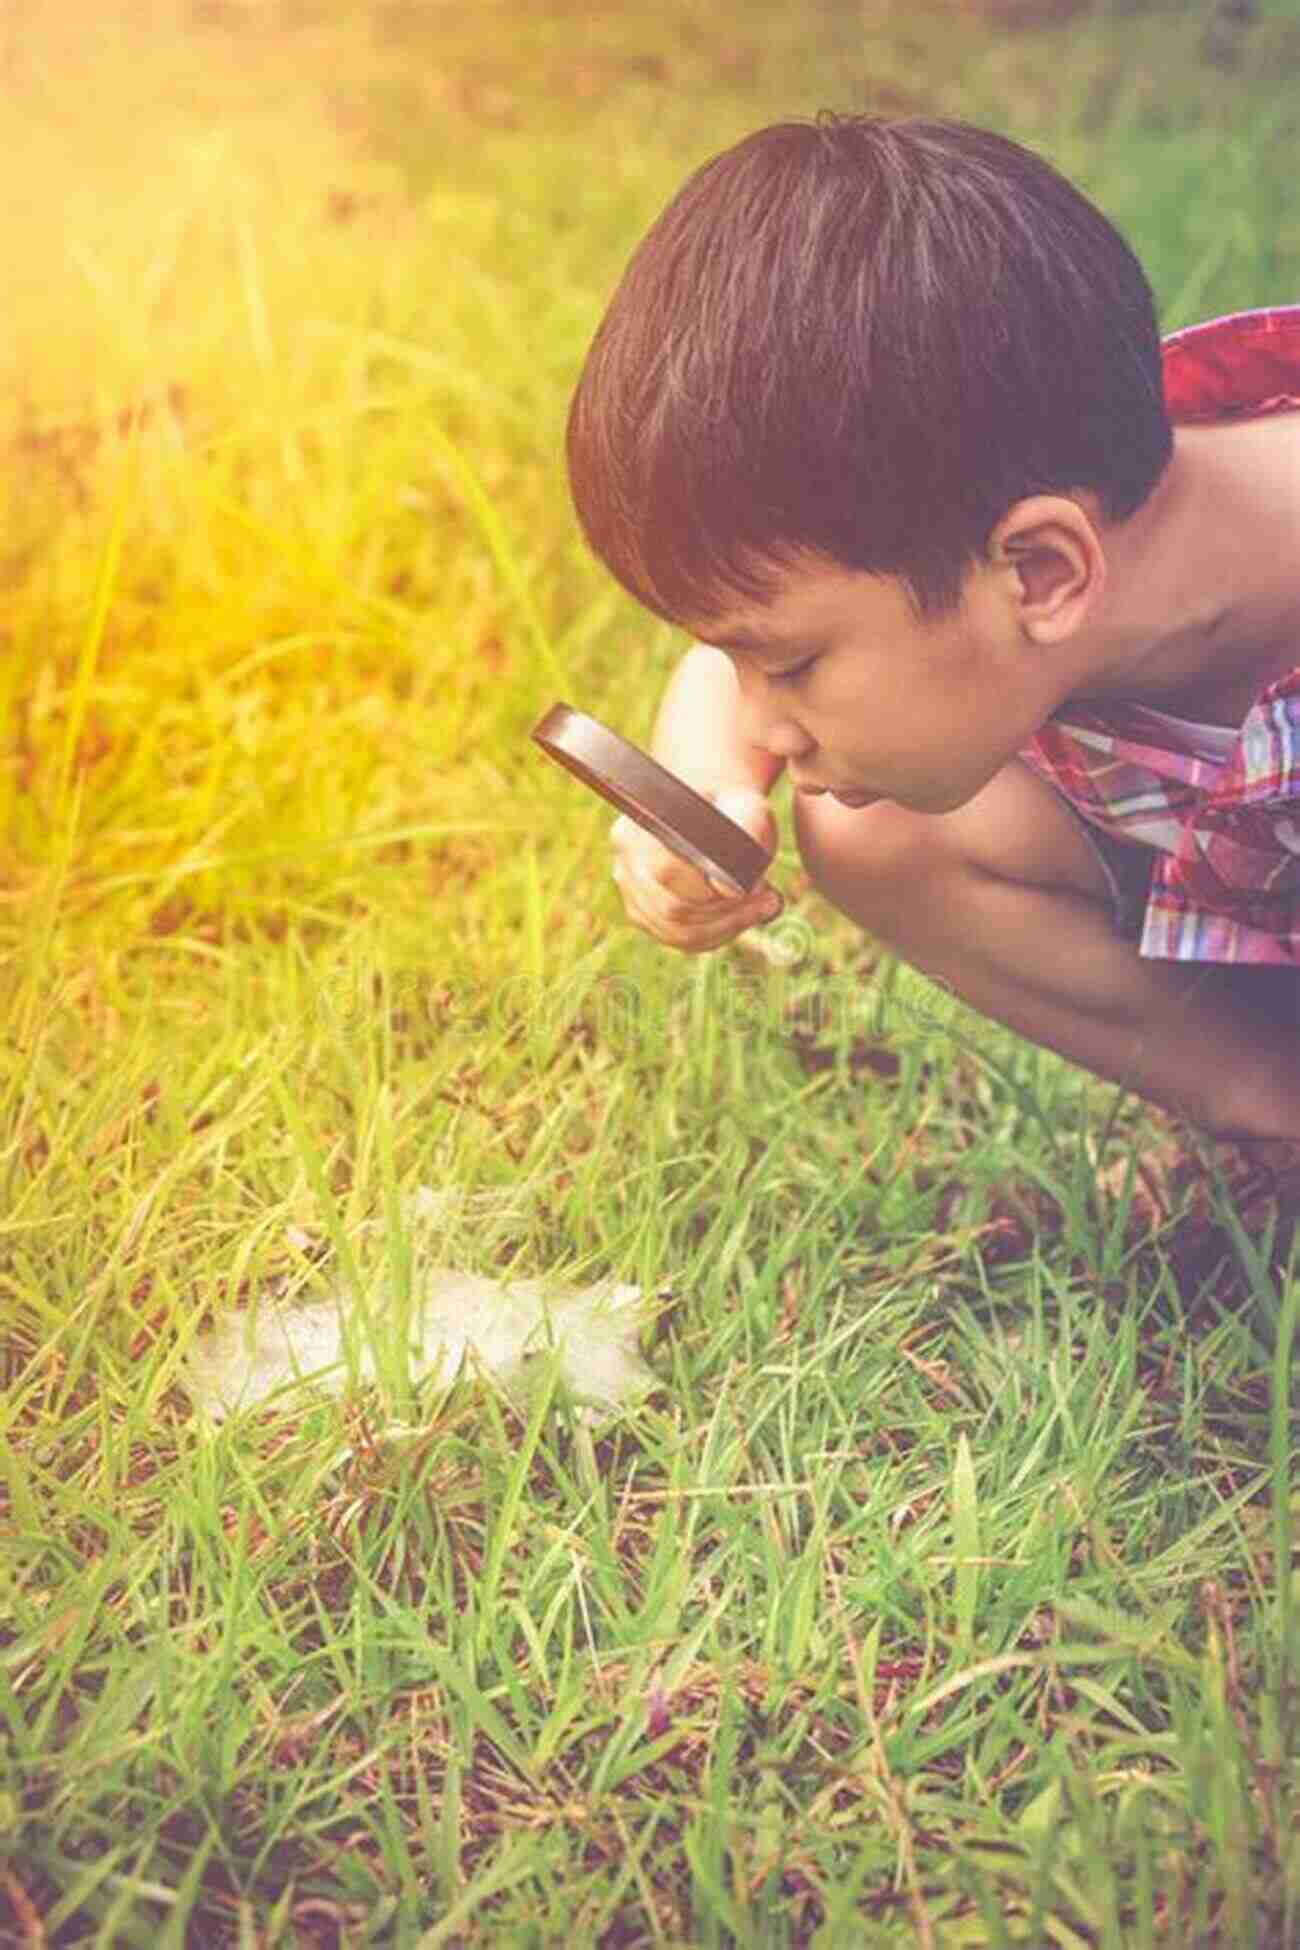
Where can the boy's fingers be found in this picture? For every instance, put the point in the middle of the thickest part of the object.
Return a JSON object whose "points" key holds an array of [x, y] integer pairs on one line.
{"points": [[680, 905], [682, 925], [657, 865], [688, 885], [680, 877]]}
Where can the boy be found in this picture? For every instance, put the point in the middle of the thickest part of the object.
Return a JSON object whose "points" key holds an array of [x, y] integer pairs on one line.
{"points": [[880, 415], [881, 418]]}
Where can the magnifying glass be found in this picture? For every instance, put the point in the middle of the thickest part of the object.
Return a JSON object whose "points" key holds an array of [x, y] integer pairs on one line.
{"points": [[654, 797]]}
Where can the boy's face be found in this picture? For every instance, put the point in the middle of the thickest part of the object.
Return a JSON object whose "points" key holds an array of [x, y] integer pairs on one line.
{"points": [[840, 678]]}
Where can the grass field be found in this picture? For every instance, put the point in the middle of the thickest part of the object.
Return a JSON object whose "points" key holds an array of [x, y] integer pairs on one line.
{"points": [[943, 1589]]}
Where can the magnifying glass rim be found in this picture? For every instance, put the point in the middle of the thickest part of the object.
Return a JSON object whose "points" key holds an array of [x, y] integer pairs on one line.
{"points": [[653, 796]]}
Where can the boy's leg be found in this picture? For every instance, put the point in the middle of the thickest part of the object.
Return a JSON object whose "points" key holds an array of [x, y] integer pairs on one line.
{"points": [[1005, 902]]}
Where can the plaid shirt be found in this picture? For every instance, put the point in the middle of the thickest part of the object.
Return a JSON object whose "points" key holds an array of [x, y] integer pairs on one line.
{"points": [[1225, 881]]}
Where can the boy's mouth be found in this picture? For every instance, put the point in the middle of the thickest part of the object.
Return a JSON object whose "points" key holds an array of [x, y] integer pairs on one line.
{"points": [[854, 800]]}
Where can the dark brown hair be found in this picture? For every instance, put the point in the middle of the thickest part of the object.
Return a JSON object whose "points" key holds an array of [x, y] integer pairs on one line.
{"points": [[864, 338]]}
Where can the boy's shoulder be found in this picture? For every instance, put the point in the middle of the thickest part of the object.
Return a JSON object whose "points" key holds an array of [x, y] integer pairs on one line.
{"points": [[1217, 809], [1245, 362]]}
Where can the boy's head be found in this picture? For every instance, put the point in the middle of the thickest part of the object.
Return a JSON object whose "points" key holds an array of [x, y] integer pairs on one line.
{"points": [[861, 339]]}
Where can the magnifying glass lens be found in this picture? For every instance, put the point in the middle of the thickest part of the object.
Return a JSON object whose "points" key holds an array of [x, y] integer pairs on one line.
{"points": [[652, 796]]}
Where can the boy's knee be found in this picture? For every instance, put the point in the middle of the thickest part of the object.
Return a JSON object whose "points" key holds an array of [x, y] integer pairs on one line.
{"points": [[872, 857], [1016, 829]]}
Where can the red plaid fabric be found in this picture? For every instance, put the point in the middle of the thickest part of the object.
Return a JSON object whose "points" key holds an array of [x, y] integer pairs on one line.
{"points": [[1225, 829]]}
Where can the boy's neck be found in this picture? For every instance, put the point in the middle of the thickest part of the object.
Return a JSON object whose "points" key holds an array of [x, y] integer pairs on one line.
{"points": [[1202, 608]]}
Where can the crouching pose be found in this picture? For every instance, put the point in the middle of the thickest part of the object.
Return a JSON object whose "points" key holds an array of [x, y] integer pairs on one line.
{"points": [[879, 414]]}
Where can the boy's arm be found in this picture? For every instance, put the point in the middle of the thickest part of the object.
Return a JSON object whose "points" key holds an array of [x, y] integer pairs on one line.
{"points": [[697, 733], [698, 736]]}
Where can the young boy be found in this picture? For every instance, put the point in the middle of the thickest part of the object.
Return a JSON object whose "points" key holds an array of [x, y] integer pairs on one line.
{"points": [[879, 414]]}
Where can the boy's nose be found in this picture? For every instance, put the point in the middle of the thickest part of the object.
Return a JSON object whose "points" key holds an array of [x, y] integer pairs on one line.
{"points": [[766, 724], [783, 739]]}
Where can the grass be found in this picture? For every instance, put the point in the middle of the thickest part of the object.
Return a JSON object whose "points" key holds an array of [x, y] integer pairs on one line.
{"points": [[944, 1590]]}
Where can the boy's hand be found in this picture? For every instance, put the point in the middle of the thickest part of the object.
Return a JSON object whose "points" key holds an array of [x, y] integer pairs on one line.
{"points": [[675, 903]]}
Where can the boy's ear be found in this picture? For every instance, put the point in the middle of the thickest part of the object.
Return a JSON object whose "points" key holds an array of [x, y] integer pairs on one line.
{"points": [[1050, 546]]}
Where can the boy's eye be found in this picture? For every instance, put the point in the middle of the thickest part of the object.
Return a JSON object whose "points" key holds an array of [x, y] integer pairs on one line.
{"points": [[795, 671]]}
